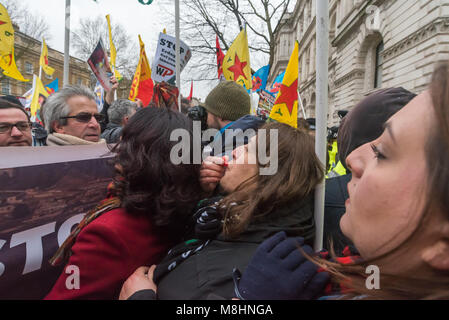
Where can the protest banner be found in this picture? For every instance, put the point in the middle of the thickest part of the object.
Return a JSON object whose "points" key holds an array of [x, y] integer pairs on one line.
{"points": [[164, 64], [99, 64], [99, 96], [266, 102], [43, 195]]}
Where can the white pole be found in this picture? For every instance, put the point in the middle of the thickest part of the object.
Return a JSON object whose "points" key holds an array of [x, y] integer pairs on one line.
{"points": [[178, 53], [67, 43], [302, 106], [40, 67], [322, 72]]}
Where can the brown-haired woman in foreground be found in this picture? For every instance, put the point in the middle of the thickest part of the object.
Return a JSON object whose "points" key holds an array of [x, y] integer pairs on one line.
{"points": [[398, 211], [152, 202]]}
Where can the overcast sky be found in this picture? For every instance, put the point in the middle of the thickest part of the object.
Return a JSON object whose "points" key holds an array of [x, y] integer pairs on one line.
{"points": [[136, 18]]}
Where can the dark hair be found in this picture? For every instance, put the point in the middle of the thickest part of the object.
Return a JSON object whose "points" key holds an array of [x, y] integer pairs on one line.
{"points": [[365, 122], [149, 182], [6, 104], [303, 124], [298, 174]]}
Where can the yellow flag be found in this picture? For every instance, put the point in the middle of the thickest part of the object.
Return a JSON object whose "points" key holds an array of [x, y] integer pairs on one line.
{"points": [[236, 65], [285, 108], [7, 60], [117, 74], [44, 59], [38, 89], [164, 31]]}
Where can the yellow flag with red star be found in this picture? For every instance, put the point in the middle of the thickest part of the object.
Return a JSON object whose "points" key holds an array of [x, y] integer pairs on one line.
{"points": [[7, 59], [236, 65], [285, 108], [43, 62]]}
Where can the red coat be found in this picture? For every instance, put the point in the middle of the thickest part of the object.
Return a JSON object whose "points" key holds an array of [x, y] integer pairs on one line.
{"points": [[107, 251]]}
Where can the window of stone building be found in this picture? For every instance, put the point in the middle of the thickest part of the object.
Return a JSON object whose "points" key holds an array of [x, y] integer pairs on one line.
{"points": [[307, 66], [79, 81], [312, 56], [28, 86], [6, 88], [379, 69], [284, 47], [333, 26], [309, 11], [48, 76], [28, 67]]}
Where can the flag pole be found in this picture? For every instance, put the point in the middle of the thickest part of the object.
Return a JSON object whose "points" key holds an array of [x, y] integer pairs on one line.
{"points": [[322, 72], [178, 53], [67, 43], [40, 66], [302, 106]]}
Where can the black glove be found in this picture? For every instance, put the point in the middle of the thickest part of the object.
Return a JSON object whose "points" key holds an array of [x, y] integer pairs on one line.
{"points": [[279, 271]]}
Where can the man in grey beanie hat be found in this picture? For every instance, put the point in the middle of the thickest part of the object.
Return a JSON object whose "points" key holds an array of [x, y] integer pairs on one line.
{"points": [[226, 103], [228, 106]]}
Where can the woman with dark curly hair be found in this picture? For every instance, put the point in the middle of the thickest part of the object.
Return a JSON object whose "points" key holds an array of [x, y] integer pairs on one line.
{"points": [[144, 215]]}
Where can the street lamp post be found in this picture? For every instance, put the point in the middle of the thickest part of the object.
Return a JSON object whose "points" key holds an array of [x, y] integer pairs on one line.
{"points": [[67, 43], [322, 72]]}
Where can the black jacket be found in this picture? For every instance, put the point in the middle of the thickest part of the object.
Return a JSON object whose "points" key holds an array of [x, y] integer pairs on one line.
{"points": [[207, 273], [39, 135], [334, 207]]}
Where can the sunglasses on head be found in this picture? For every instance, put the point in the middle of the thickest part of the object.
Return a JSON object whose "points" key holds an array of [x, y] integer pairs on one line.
{"points": [[85, 117]]}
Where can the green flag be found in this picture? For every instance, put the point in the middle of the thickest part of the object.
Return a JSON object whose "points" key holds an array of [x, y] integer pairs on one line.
{"points": [[145, 1]]}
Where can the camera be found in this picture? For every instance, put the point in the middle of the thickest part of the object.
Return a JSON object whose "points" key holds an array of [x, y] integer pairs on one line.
{"points": [[198, 113], [332, 133]]}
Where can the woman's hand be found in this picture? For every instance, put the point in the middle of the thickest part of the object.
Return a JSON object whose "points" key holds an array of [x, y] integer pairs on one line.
{"points": [[141, 279]]}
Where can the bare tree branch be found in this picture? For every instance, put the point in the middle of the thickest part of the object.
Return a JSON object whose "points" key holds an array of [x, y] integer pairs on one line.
{"points": [[31, 25], [204, 20], [86, 37]]}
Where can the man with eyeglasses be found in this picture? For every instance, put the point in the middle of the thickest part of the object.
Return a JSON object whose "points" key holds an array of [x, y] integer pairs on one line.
{"points": [[15, 125], [71, 117]]}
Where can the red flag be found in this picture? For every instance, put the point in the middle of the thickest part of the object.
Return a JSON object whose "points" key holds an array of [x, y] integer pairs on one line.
{"points": [[191, 92], [220, 57]]}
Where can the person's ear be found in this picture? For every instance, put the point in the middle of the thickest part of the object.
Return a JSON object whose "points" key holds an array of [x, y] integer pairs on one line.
{"points": [[437, 254], [57, 127], [125, 120]]}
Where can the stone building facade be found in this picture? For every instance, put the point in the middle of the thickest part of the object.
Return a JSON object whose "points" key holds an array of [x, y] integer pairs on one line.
{"points": [[372, 44], [28, 52]]}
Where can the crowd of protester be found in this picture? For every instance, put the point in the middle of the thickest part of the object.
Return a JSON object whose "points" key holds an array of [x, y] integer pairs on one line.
{"points": [[221, 230]]}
